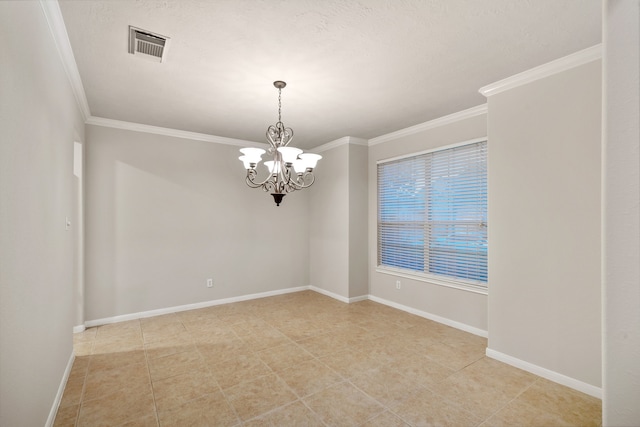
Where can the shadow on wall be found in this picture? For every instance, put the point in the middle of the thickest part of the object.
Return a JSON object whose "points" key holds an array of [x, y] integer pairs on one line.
{"points": [[165, 214]]}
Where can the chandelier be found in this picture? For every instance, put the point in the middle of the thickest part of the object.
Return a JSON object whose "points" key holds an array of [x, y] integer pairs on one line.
{"points": [[289, 170]]}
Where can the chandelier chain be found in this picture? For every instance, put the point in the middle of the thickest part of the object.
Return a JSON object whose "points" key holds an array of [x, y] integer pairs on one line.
{"points": [[279, 105]]}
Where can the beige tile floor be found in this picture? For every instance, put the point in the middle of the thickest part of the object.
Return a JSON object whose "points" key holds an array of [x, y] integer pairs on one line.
{"points": [[303, 359]]}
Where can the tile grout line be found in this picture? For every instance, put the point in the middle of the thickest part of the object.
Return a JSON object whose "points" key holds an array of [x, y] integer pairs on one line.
{"points": [[84, 384], [342, 323], [224, 395], [509, 402], [153, 393]]}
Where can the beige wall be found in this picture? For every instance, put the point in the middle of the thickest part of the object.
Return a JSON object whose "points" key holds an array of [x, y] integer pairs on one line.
{"points": [[329, 223], [458, 306], [338, 229], [544, 223], [164, 214], [358, 221], [39, 122], [621, 163]]}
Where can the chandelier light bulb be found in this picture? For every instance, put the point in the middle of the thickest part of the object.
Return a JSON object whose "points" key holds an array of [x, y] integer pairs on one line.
{"points": [[247, 161], [289, 154], [310, 159], [299, 166], [273, 166], [252, 152]]}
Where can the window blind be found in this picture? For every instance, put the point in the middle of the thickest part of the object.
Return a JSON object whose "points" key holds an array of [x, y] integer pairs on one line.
{"points": [[432, 213]]}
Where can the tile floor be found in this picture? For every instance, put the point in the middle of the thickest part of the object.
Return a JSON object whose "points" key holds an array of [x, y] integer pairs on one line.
{"points": [[303, 359]]}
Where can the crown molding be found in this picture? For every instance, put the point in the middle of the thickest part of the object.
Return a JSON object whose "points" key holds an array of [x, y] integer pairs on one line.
{"points": [[53, 15], [581, 57], [333, 144], [137, 127], [340, 141], [441, 121]]}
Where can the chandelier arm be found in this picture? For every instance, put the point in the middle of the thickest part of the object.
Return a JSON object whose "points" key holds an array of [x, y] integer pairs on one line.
{"points": [[270, 185], [294, 183], [313, 179], [272, 136], [301, 180], [287, 136], [251, 182], [290, 183], [282, 186]]}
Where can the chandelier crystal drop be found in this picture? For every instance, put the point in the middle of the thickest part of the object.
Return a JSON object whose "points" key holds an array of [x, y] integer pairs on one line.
{"points": [[289, 170]]}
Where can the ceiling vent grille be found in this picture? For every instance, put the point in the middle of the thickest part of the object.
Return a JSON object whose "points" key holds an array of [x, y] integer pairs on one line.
{"points": [[147, 44]]}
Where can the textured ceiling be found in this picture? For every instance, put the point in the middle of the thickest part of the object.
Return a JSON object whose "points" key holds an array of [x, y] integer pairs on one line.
{"points": [[353, 68]]}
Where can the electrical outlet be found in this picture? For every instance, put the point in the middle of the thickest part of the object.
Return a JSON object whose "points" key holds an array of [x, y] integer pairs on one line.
{"points": [[209, 283], [398, 284]]}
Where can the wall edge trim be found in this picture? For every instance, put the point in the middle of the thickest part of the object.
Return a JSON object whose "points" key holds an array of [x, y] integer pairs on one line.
{"points": [[454, 324], [193, 306], [556, 377], [441, 121], [63, 383], [576, 59], [58, 30], [345, 140], [157, 130]]}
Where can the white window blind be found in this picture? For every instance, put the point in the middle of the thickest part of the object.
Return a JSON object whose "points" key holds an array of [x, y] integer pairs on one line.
{"points": [[432, 213]]}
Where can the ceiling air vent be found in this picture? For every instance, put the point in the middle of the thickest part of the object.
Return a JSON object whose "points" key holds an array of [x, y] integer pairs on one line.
{"points": [[147, 44]]}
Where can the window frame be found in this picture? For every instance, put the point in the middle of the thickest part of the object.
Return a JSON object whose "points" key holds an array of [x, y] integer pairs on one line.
{"points": [[441, 280]]}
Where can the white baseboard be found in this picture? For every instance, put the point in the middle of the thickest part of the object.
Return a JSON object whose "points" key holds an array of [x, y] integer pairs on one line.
{"points": [[78, 329], [546, 373], [360, 298], [337, 296], [56, 403], [329, 294], [430, 316], [176, 309]]}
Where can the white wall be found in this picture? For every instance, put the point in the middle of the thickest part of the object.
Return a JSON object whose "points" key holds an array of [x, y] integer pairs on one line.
{"points": [[39, 121], [544, 223], [458, 306], [621, 163], [164, 214]]}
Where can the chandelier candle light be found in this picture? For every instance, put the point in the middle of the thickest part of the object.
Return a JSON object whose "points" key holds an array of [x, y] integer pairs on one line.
{"points": [[290, 169]]}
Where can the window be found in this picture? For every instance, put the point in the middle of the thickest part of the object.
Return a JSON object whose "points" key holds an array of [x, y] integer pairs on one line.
{"points": [[432, 215]]}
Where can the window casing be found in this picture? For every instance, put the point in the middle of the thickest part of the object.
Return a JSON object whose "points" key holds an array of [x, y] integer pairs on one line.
{"points": [[432, 216]]}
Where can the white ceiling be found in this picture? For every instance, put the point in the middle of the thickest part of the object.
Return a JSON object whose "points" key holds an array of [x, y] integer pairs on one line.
{"points": [[359, 68]]}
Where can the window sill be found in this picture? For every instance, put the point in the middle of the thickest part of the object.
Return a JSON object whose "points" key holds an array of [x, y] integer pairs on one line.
{"points": [[436, 280]]}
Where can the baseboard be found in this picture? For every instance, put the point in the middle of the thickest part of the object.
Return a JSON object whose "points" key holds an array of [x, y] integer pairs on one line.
{"points": [[360, 298], [337, 296], [78, 329], [546, 373], [56, 403], [430, 316], [176, 309]]}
